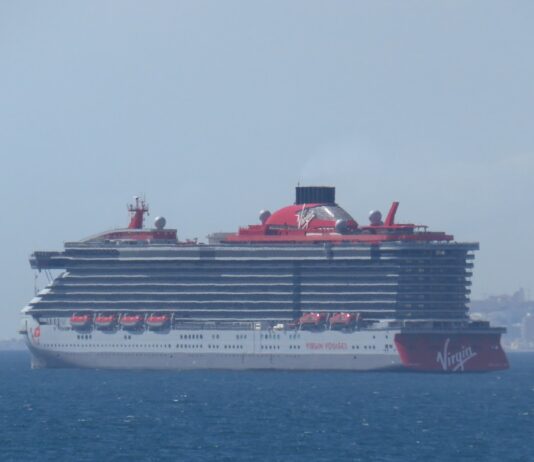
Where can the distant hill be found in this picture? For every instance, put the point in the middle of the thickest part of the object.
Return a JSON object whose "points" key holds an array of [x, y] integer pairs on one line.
{"points": [[511, 311]]}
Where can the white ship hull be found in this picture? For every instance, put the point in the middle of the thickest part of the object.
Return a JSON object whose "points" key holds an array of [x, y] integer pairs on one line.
{"points": [[55, 346]]}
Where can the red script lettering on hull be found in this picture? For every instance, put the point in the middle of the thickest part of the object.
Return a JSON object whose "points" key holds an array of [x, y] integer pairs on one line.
{"points": [[449, 352]]}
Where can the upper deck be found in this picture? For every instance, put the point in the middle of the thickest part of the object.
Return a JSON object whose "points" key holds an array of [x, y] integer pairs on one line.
{"points": [[310, 256]]}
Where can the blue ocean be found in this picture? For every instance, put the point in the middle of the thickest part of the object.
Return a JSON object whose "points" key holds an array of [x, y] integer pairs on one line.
{"points": [[97, 415]]}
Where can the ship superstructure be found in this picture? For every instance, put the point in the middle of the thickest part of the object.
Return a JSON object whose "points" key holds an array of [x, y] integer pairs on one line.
{"points": [[307, 288]]}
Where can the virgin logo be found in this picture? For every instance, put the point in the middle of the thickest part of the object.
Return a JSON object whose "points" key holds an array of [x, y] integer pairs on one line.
{"points": [[304, 217], [37, 332], [454, 361]]}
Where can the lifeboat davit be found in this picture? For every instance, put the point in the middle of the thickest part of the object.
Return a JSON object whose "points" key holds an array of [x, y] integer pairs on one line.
{"points": [[157, 321], [79, 321], [105, 321], [343, 320], [312, 320], [131, 321]]}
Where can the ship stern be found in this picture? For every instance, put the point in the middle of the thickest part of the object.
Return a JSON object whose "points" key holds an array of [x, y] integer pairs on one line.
{"points": [[452, 351]]}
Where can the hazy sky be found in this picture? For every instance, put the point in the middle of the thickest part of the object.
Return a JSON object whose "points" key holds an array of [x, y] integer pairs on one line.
{"points": [[217, 109]]}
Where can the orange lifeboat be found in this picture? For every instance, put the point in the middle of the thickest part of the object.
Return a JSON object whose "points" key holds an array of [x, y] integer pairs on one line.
{"points": [[105, 321], [312, 320], [131, 321], [80, 321], [343, 320], [157, 321]]}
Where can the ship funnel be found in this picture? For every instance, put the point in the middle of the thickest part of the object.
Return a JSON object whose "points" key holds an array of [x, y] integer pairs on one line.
{"points": [[315, 195]]}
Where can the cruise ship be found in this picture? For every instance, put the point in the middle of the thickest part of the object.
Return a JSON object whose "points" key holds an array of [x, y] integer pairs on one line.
{"points": [[306, 288]]}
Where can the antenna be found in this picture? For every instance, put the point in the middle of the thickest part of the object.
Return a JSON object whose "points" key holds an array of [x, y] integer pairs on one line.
{"points": [[138, 211]]}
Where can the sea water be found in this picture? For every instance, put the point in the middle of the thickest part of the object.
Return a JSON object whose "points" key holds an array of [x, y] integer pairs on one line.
{"points": [[99, 415]]}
